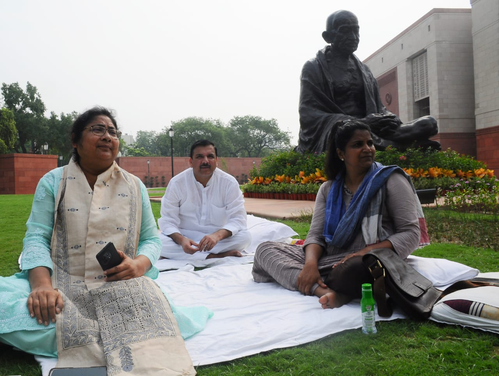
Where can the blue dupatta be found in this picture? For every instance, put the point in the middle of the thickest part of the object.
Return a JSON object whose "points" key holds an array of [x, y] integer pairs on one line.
{"points": [[340, 226]]}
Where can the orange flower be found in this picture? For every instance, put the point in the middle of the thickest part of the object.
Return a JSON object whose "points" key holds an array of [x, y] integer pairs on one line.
{"points": [[479, 172], [448, 173], [408, 171], [490, 173], [302, 174], [280, 178], [307, 179], [434, 172], [257, 180], [267, 181], [419, 173]]}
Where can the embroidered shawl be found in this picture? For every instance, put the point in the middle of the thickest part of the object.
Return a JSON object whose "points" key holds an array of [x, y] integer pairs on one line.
{"points": [[126, 325]]}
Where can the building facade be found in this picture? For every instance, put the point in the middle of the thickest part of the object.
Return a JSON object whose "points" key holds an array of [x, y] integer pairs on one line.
{"points": [[446, 65]]}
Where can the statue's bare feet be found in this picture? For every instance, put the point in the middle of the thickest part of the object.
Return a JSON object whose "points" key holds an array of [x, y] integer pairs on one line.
{"points": [[332, 299], [225, 254]]}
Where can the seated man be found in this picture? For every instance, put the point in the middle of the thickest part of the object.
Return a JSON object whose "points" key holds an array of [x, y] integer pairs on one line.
{"points": [[336, 85], [202, 211]]}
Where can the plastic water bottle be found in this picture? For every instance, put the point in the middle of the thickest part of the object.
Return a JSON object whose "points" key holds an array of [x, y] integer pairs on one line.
{"points": [[367, 308]]}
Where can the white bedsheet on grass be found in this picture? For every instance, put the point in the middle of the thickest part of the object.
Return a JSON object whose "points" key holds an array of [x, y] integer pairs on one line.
{"points": [[250, 318]]}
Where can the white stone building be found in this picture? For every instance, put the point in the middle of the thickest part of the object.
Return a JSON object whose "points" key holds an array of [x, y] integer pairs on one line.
{"points": [[446, 65]]}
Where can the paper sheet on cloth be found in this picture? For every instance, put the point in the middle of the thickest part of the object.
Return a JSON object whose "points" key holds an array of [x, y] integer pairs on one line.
{"points": [[254, 317]]}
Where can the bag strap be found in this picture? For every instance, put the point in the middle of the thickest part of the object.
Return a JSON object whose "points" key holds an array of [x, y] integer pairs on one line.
{"points": [[378, 272]]}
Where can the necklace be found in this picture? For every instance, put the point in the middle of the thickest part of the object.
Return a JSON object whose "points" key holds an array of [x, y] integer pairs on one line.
{"points": [[347, 191]]}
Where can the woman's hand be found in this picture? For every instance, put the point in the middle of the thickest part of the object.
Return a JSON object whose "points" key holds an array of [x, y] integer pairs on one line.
{"points": [[44, 302], [129, 268], [308, 277], [363, 251]]}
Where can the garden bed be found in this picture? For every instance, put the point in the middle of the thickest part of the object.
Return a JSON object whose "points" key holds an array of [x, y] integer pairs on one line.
{"points": [[282, 196]]}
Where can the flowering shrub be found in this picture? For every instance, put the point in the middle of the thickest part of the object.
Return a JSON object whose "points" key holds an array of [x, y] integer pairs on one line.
{"points": [[461, 180], [472, 195], [290, 164]]}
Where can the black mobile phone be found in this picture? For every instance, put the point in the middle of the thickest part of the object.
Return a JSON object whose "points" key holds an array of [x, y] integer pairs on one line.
{"points": [[88, 371], [108, 257]]}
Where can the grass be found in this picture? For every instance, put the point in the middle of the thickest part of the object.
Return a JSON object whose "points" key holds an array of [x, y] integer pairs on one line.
{"points": [[156, 192], [401, 347]]}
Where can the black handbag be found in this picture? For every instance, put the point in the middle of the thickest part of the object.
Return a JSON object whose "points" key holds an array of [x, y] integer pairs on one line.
{"points": [[408, 289]]}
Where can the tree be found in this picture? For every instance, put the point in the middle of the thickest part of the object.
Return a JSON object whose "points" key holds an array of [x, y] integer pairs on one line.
{"points": [[58, 133], [253, 136], [148, 141], [8, 131], [136, 152], [28, 109], [191, 129]]}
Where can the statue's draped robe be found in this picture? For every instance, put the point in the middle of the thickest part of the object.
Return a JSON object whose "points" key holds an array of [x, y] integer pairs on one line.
{"points": [[318, 108]]}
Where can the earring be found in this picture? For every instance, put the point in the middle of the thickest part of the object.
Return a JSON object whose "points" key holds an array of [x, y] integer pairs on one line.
{"points": [[342, 159]]}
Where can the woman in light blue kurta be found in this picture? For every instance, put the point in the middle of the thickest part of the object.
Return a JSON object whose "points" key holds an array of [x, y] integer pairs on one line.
{"points": [[17, 327]]}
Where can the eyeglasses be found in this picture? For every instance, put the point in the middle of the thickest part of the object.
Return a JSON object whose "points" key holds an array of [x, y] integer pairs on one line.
{"points": [[100, 130]]}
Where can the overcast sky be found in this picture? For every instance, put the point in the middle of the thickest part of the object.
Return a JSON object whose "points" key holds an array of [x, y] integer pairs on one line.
{"points": [[155, 62]]}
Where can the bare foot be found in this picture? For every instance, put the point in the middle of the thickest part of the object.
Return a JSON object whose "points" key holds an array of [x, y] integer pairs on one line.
{"points": [[332, 299], [225, 254]]}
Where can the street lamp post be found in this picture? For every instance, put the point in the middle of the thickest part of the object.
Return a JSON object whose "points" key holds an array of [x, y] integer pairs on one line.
{"points": [[148, 173], [45, 147], [171, 133]]}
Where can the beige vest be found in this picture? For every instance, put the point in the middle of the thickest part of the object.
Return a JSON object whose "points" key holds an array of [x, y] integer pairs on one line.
{"points": [[126, 325]]}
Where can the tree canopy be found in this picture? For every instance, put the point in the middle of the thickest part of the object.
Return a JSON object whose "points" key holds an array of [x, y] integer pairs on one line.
{"points": [[243, 136], [189, 130], [253, 136], [58, 133], [28, 109], [248, 136], [8, 131]]}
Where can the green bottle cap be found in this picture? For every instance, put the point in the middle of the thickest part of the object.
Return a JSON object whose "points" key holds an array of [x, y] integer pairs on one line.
{"points": [[366, 287]]}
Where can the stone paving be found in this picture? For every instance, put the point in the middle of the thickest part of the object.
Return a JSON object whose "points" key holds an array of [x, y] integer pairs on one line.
{"points": [[275, 209], [279, 209]]}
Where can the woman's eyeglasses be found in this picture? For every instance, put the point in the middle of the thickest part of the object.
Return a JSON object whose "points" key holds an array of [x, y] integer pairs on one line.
{"points": [[100, 130]]}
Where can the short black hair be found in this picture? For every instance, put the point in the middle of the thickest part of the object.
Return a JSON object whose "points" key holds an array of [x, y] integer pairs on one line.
{"points": [[341, 133], [83, 120], [202, 143]]}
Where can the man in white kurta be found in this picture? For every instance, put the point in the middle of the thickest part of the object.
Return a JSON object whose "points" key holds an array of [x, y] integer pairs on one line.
{"points": [[202, 211]]}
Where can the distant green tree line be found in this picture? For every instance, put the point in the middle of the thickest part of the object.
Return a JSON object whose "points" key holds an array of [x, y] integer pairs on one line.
{"points": [[243, 136], [24, 128]]}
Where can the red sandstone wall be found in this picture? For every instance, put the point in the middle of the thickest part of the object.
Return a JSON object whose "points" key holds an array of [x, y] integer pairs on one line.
{"points": [[388, 90], [487, 142], [162, 167], [464, 143], [19, 173]]}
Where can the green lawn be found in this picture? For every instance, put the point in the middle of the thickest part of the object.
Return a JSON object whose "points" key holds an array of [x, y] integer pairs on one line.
{"points": [[156, 192], [401, 347]]}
